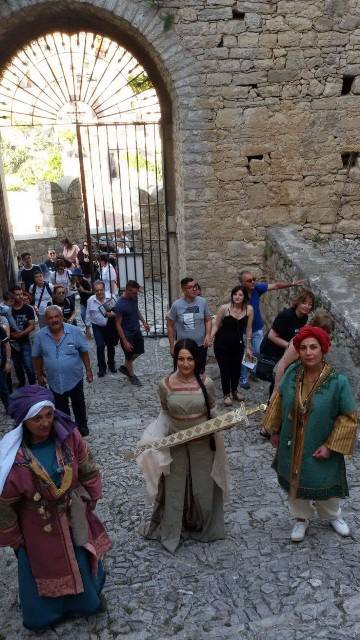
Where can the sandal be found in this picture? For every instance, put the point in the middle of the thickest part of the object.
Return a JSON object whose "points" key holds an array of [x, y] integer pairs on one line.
{"points": [[227, 401]]}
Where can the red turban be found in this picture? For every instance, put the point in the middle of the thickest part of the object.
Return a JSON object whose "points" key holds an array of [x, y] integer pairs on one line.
{"points": [[312, 332]]}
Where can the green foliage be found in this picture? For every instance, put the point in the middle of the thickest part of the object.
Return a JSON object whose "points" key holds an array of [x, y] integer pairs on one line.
{"points": [[55, 170], [140, 83], [68, 136], [27, 174], [34, 157], [14, 187], [316, 239], [167, 18], [13, 157], [128, 609], [138, 161]]}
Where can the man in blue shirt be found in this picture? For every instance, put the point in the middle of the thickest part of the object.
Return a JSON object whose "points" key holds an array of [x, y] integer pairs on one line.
{"points": [[59, 352], [255, 291], [128, 318]]}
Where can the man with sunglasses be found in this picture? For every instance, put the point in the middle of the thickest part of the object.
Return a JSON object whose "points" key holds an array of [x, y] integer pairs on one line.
{"points": [[255, 291], [50, 263], [189, 317]]}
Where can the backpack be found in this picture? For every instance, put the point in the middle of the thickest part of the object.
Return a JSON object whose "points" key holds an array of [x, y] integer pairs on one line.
{"points": [[33, 289]]}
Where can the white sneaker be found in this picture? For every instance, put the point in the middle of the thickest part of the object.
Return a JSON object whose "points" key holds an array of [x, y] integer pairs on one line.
{"points": [[340, 526], [299, 530]]}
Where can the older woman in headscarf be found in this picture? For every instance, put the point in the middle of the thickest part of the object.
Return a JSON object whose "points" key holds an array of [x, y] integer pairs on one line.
{"points": [[49, 486], [312, 419]]}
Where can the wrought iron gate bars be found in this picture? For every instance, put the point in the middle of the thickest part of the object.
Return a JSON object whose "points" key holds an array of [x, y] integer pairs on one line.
{"points": [[94, 148], [59, 71]]}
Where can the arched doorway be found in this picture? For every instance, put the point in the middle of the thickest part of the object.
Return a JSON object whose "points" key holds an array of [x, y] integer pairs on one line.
{"points": [[87, 90]]}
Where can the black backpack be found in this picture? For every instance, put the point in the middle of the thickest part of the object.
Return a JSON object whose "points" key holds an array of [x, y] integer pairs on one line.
{"points": [[33, 289]]}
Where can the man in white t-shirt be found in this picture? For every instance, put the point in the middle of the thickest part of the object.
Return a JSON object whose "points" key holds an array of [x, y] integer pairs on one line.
{"points": [[41, 292], [108, 276]]}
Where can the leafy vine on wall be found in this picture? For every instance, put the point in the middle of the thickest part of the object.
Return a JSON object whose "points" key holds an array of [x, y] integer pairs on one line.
{"points": [[166, 17]]}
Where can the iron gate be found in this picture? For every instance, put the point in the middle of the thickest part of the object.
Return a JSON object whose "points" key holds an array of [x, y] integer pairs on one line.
{"points": [[88, 81], [122, 181]]}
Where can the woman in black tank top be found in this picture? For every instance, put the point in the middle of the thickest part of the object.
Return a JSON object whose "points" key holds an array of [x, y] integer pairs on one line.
{"points": [[233, 321]]}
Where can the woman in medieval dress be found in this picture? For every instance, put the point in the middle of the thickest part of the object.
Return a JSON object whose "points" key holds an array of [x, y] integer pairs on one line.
{"points": [[188, 481], [49, 486], [312, 420]]}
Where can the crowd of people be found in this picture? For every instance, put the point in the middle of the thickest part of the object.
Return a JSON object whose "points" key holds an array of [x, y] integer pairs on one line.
{"points": [[49, 482]]}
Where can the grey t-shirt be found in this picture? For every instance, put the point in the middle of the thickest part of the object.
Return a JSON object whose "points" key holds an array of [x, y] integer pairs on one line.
{"points": [[189, 318]]}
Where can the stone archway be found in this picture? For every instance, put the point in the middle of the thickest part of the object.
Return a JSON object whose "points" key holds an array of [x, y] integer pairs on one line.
{"points": [[140, 30]]}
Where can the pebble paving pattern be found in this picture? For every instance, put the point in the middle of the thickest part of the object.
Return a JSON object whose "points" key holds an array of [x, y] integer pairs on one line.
{"points": [[255, 585]]}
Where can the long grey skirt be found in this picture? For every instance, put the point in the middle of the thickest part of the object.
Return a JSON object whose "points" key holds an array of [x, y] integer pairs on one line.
{"points": [[189, 503]]}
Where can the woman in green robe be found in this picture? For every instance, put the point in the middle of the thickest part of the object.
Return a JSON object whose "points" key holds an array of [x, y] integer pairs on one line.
{"points": [[312, 420]]}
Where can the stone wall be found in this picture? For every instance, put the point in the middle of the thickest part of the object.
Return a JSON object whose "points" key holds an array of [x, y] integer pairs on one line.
{"points": [[264, 114], [282, 115], [288, 258], [38, 247], [7, 245], [61, 208]]}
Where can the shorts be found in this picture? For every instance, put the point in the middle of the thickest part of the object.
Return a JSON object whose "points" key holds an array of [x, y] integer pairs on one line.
{"points": [[137, 342]]}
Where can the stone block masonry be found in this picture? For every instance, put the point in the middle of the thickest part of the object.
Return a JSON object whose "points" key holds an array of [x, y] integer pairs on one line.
{"points": [[273, 88], [288, 258]]}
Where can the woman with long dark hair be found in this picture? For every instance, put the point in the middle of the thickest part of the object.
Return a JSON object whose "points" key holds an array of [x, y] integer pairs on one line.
{"points": [[186, 481], [233, 322]]}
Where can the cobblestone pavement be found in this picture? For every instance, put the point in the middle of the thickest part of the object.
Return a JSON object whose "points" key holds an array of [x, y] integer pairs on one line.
{"points": [[255, 585]]}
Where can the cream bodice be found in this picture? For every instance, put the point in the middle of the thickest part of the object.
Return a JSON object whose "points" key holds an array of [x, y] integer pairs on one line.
{"points": [[185, 404]]}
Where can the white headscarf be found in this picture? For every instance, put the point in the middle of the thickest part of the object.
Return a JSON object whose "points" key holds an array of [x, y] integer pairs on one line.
{"points": [[10, 443]]}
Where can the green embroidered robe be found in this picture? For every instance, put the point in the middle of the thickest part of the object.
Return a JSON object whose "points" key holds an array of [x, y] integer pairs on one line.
{"points": [[330, 419]]}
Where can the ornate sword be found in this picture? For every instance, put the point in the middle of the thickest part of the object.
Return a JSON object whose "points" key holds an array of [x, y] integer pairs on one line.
{"points": [[220, 423]]}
